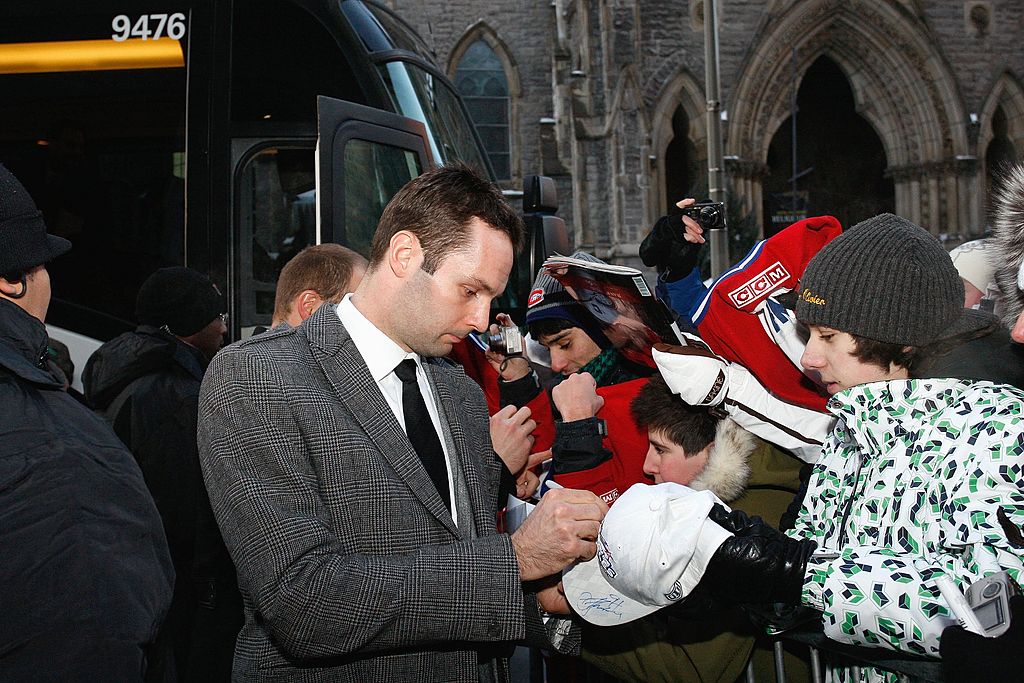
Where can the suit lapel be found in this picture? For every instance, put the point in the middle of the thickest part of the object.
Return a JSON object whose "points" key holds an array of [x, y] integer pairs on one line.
{"points": [[347, 374]]}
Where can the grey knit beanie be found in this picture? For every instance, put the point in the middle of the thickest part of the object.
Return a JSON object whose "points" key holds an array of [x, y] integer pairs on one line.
{"points": [[889, 280]]}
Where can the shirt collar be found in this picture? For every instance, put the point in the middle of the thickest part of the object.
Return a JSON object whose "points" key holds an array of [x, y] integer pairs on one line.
{"points": [[378, 350]]}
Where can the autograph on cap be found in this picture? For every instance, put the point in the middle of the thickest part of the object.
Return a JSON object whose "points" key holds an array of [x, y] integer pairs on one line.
{"points": [[601, 603]]}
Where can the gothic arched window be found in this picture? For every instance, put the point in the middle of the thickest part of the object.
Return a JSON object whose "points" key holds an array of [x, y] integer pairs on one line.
{"points": [[480, 78]]}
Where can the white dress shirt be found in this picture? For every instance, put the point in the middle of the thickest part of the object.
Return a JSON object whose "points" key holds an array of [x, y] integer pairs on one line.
{"points": [[382, 355]]}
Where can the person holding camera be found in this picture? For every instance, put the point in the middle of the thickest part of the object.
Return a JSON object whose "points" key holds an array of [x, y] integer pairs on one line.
{"points": [[585, 422]]}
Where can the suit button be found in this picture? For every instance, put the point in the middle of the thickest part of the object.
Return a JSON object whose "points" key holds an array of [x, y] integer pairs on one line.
{"points": [[494, 628]]}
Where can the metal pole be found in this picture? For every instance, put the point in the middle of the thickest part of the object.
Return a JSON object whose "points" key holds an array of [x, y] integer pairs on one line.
{"points": [[792, 116], [719, 239]]}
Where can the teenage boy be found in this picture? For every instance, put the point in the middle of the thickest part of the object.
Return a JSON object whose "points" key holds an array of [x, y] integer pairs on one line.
{"points": [[694, 446], [595, 444], [919, 477]]}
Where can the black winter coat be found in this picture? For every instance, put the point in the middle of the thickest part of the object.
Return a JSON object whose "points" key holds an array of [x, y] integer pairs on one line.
{"points": [[85, 575], [146, 383]]}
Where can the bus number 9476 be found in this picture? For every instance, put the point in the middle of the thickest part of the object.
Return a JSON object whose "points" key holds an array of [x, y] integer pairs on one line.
{"points": [[148, 27]]}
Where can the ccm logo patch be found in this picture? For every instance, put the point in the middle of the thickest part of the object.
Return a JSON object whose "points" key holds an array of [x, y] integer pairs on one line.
{"points": [[536, 296], [761, 284]]}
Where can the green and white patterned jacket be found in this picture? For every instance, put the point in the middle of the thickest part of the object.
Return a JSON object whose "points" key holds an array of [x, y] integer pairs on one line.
{"points": [[907, 487]]}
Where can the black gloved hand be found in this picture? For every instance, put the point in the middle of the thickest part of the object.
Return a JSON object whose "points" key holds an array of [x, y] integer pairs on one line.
{"points": [[758, 564], [967, 656], [666, 249]]}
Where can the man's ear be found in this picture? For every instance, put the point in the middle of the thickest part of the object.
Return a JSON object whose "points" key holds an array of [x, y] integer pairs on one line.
{"points": [[307, 302], [404, 253], [13, 289]]}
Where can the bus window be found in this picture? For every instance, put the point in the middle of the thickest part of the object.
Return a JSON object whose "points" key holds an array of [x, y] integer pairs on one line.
{"points": [[276, 218], [94, 127], [374, 172], [427, 98], [282, 58]]}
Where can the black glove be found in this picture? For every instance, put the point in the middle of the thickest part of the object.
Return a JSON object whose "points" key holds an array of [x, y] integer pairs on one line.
{"points": [[758, 564], [666, 249], [578, 446], [967, 656]]}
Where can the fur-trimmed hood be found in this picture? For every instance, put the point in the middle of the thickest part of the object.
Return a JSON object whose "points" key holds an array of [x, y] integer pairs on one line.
{"points": [[1008, 239], [728, 469]]}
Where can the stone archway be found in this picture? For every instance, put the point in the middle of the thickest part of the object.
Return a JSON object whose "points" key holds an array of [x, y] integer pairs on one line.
{"points": [[1001, 125], [901, 85], [684, 93]]}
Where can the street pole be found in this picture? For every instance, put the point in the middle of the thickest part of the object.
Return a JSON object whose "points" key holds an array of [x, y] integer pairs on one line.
{"points": [[718, 238]]}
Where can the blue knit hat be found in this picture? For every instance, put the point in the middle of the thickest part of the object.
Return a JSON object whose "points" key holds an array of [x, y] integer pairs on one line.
{"points": [[549, 300]]}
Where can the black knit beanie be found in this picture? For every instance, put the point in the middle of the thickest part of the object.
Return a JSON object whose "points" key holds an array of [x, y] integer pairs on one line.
{"points": [[889, 280], [182, 299], [24, 243]]}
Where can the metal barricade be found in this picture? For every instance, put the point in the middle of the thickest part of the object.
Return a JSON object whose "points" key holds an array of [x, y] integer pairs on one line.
{"points": [[823, 651]]}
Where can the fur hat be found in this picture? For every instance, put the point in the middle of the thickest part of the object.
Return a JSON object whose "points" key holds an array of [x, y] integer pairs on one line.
{"points": [[889, 280], [1008, 241], [181, 299], [24, 243]]}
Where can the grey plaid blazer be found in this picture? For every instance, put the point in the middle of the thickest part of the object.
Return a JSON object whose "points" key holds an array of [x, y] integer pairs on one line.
{"points": [[349, 563]]}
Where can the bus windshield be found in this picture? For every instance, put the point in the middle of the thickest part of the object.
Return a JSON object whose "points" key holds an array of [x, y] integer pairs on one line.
{"points": [[420, 95]]}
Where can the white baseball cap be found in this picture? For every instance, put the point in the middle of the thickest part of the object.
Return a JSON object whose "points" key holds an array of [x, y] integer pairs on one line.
{"points": [[652, 550], [973, 262]]}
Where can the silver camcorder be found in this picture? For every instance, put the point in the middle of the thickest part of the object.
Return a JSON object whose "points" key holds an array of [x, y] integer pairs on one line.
{"points": [[989, 598]]}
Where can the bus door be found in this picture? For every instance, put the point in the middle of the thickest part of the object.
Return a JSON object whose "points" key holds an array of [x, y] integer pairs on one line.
{"points": [[365, 156]]}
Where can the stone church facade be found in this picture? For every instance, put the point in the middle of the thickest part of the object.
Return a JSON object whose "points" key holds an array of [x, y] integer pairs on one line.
{"points": [[608, 97]]}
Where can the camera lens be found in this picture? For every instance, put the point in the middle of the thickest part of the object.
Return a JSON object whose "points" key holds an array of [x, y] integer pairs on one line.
{"points": [[709, 215]]}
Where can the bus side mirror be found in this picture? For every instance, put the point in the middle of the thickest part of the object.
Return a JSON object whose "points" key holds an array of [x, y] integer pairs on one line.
{"points": [[546, 232], [539, 194]]}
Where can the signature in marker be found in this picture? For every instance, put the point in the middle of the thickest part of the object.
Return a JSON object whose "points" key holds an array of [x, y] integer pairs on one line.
{"points": [[602, 603]]}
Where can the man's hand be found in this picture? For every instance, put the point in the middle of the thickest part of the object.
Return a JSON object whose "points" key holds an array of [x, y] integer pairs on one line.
{"points": [[561, 530], [576, 397], [527, 481], [694, 371], [512, 436], [673, 245], [551, 595], [510, 368]]}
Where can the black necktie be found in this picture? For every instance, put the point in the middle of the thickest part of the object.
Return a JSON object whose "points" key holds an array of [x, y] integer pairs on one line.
{"points": [[420, 429]]}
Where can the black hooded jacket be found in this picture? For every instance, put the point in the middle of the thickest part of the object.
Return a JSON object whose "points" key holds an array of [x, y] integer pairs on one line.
{"points": [[146, 384], [85, 573]]}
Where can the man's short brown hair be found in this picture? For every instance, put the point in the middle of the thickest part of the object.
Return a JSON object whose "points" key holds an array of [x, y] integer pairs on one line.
{"points": [[324, 268], [437, 207], [657, 409]]}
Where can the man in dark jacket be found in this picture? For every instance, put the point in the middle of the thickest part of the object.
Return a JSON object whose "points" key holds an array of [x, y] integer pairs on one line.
{"points": [[146, 383], [85, 573]]}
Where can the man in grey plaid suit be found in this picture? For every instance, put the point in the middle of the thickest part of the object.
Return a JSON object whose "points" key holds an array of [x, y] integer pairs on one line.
{"points": [[351, 564]]}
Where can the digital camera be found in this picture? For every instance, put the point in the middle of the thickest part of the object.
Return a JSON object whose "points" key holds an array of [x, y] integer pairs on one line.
{"points": [[508, 341], [989, 599], [710, 215]]}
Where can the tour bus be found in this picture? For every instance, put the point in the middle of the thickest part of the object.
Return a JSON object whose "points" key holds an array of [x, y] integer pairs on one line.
{"points": [[224, 135]]}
